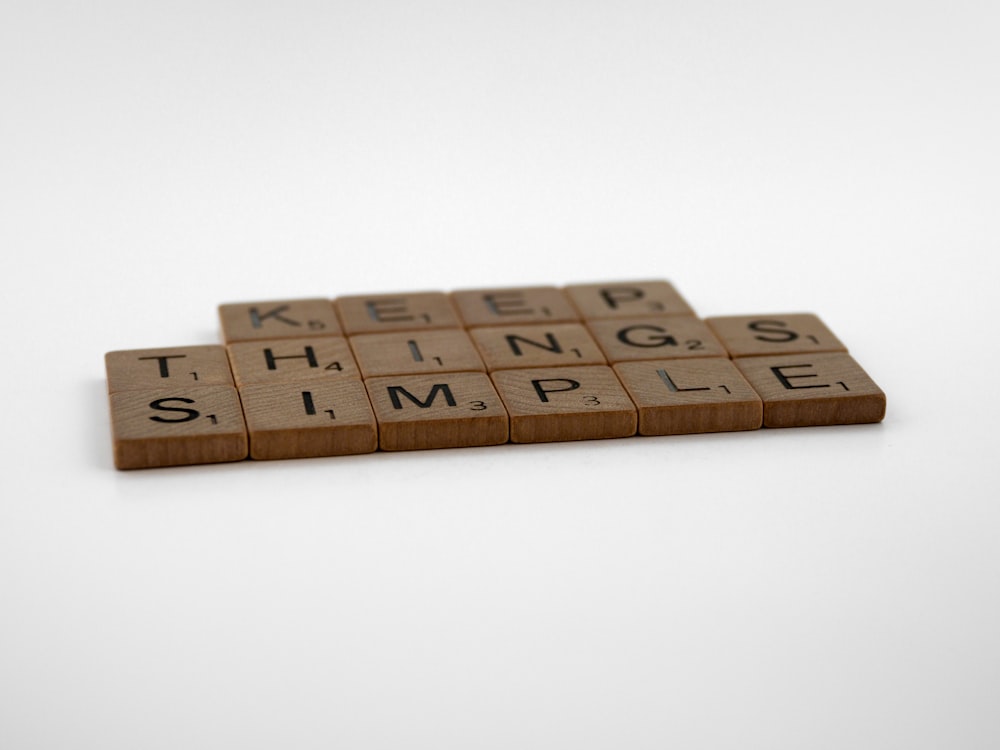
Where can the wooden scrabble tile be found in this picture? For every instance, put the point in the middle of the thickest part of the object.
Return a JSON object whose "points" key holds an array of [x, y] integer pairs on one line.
{"points": [[813, 389], [513, 306], [307, 360], [760, 335], [565, 403], [678, 397], [168, 367], [627, 299], [382, 313], [663, 337], [513, 347], [177, 426], [304, 421], [415, 352], [443, 410], [280, 319]]}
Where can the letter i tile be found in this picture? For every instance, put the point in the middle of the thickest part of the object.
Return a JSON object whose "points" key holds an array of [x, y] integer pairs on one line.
{"points": [[309, 420]]}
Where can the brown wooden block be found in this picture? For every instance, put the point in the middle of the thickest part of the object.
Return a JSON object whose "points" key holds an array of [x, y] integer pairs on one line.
{"points": [[167, 367], [678, 397], [278, 319], [444, 410], [813, 389], [305, 421], [565, 403], [513, 306], [514, 347], [664, 337], [383, 313], [177, 426], [627, 299], [307, 360], [415, 352], [761, 335]]}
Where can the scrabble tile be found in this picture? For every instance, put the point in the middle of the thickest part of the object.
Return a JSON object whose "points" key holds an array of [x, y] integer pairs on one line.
{"points": [[627, 299], [305, 421], [813, 389], [307, 360], [167, 367], [513, 347], [760, 335], [383, 313], [177, 426], [677, 397], [443, 410], [565, 403], [663, 337], [279, 319], [415, 352], [513, 306]]}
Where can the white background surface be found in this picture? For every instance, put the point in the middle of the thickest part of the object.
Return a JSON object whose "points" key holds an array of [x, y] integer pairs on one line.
{"points": [[810, 588]]}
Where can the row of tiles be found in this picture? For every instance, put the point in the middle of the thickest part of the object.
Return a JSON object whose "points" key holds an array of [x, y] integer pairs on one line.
{"points": [[487, 349], [206, 424], [405, 311]]}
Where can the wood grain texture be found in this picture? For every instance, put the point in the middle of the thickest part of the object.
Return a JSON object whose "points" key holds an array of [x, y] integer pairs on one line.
{"points": [[445, 410], [513, 306], [800, 390], [306, 360], [685, 396], [774, 334], [415, 353], [661, 337], [278, 319], [167, 367], [553, 404], [177, 426], [407, 311], [627, 299], [514, 347], [306, 421]]}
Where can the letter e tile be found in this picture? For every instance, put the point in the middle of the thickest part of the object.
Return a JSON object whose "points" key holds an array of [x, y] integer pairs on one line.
{"points": [[813, 389], [382, 313], [513, 306]]}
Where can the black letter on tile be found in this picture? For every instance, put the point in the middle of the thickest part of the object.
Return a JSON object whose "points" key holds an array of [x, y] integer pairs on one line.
{"points": [[783, 335], [258, 320], [271, 360], [785, 380], [164, 372], [543, 392], [395, 390], [158, 405]]}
